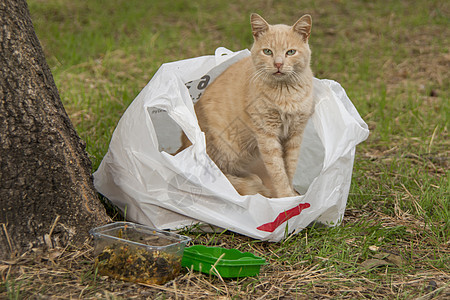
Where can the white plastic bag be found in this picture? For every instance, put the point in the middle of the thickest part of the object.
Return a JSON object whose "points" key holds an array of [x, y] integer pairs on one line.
{"points": [[169, 192]]}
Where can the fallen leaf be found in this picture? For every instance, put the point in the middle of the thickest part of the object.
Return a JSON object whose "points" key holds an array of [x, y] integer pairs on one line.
{"points": [[373, 263], [52, 255], [395, 259], [374, 248], [389, 257], [350, 241]]}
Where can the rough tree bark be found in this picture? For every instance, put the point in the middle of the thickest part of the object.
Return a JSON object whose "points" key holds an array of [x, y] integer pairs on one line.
{"points": [[46, 191]]}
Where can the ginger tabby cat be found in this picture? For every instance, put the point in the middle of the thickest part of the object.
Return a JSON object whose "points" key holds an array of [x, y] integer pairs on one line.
{"points": [[254, 114]]}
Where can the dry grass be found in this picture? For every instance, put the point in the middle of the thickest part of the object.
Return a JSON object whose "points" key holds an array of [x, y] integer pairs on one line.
{"points": [[69, 274], [398, 269]]}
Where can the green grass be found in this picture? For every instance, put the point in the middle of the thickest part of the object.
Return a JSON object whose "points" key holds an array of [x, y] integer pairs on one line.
{"points": [[392, 57]]}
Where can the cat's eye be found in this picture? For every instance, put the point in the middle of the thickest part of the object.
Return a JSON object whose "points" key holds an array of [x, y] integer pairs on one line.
{"points": [[267, 51], [290, 52]]}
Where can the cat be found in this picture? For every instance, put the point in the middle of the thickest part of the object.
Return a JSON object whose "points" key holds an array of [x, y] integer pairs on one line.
{"points": [[255, 112]]}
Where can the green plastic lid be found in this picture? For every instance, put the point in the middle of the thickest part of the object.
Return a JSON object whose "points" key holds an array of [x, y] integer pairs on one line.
{"points": [[227, 262]]}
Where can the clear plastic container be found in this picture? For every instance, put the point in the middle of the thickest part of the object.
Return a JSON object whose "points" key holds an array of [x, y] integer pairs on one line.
{"points": [[138, 253]]}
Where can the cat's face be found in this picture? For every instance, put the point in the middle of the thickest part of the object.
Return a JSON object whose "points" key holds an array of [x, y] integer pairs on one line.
{"points": [[280, 52]]}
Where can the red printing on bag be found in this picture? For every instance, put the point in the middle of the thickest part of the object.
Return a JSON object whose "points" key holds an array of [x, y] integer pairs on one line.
{"points": [[283, 217]]}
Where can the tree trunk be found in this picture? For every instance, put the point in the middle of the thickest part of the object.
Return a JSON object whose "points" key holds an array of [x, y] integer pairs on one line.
{"points": [[46, 191]]}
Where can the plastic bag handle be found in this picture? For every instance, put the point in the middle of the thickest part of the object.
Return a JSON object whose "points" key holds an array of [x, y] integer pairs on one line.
{"points": [[222, 54], [222, 51]]}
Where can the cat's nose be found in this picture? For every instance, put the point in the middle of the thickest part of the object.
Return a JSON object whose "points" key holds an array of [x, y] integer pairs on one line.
{"points": [[278, 65]]}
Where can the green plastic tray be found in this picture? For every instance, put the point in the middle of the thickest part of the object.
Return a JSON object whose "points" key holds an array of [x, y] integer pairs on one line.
{"points": [[229, 263]]}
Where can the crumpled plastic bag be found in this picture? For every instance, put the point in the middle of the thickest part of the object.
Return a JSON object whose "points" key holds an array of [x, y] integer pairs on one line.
{"points": [[170, 192]]}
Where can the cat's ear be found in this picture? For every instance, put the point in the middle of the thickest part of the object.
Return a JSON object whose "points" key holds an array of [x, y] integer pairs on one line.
{"points": [[259, 25], [303, 26]]}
